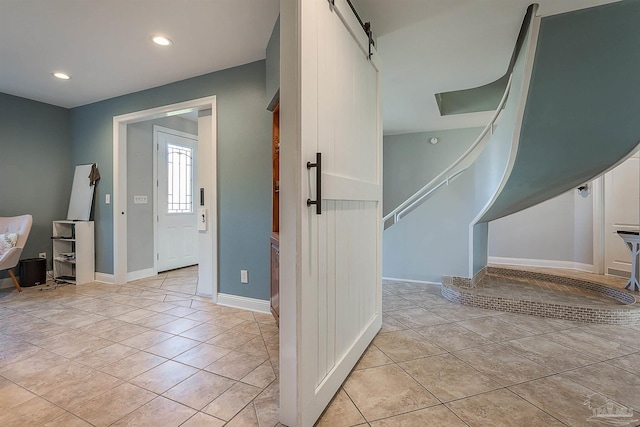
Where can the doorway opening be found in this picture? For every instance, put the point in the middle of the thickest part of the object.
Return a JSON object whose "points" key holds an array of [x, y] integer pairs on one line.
{"points": [[175, 168], [203, 196]]}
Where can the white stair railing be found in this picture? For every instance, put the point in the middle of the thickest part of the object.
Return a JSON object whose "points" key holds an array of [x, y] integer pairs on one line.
{"points": [[449, 174]]}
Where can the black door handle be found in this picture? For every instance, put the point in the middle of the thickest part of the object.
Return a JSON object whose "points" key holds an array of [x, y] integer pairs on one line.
{"points": [[318, 200]]}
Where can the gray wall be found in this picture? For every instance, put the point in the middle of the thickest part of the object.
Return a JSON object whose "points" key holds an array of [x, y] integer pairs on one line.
{"points": [[273, 67], [35, 169], [140, 154], [244, 167], [410, 161], [559, 229]]}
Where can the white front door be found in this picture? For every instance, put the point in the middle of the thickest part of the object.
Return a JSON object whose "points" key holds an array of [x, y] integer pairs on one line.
{"points": [[621, 212], [176, 232], [337, 254]]}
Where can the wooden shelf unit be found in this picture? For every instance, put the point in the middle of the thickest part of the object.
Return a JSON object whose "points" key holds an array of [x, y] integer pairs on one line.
{"points": [[73, 251]]}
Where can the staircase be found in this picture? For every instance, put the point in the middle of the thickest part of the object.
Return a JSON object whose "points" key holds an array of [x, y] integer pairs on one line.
{"points": [[572, 113]]}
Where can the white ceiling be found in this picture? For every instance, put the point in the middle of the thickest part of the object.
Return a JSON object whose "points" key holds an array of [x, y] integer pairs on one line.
{"points": [[105, 45], [426, 46]]}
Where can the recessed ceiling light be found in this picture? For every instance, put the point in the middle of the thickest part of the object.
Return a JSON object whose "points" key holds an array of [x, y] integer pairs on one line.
{"points": [[61, 76], [162, 41]]}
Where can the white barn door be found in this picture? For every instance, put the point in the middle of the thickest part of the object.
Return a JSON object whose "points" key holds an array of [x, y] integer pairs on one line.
{"points": [[338, 240]]}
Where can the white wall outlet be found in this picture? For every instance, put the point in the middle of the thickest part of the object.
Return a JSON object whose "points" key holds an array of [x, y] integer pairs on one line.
{"points": [[244, 276], [42, 255], [107, 199], [140, 200]]}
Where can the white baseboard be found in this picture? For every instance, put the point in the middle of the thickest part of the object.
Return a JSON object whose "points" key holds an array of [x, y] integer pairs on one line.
{"points": [[140, 274], [204, 295], [259, 305], [547, 263], [6, 283], [425, 282], [104, 278]]}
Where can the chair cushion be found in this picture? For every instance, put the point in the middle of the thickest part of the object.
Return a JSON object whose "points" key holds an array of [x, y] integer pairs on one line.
{"points": [[7, 241]]}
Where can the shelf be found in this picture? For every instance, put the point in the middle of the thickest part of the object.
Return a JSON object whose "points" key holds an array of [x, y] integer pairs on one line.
{"points": [[73, 251]]}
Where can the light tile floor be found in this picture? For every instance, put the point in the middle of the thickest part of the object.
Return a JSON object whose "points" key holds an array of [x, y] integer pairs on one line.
{"points": [[436, 363], [151, 353]]}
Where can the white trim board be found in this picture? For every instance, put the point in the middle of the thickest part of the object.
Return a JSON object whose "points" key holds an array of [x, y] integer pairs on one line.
{"points": [[140, 274], [245, 303], [547, 263], [6, 283], [424, 282], [597, 189], [208, 272], [105, 278]]}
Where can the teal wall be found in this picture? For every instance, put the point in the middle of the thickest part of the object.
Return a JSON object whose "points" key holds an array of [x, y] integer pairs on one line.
{"points": [[410, 161], [244, 167], [483, 98], [35, 169], [273, 67]]}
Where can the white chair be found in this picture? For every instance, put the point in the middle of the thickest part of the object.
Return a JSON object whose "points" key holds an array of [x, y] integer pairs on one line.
{"points": [[21, 225]]}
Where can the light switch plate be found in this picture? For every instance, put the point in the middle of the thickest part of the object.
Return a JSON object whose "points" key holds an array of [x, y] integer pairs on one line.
{"points": [[107, 199], [140, 200]]}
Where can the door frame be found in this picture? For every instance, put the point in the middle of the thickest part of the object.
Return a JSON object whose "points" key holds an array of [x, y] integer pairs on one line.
{"points": [[163, 129], [599, 227], [208, 241], [597, 190]]}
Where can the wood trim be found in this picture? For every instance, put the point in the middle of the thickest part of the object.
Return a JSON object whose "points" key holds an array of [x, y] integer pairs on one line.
{"points": [[275, 151]]}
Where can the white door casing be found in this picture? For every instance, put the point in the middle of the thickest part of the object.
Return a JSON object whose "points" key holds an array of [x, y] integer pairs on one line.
{"points": [[208, 239], [176, 234], [330, 264], [621, 212]]}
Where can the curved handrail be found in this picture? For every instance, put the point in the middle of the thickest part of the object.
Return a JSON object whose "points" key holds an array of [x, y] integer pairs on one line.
{"points": [[420, 196]]}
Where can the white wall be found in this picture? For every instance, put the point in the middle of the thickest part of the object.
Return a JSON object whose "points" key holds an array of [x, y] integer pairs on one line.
{"points": [[555, 233]]}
